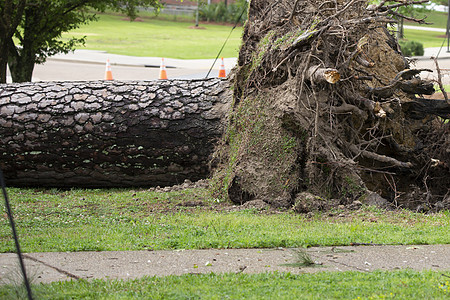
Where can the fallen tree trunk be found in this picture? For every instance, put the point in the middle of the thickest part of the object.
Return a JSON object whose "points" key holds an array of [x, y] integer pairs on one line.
{"points": [[109, 134]]}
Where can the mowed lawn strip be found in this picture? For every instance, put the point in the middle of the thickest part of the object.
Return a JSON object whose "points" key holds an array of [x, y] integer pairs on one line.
{"points": [[161, 37], [427, 38], [157, 38], [436, 19], [97, 220], [405, 284]]}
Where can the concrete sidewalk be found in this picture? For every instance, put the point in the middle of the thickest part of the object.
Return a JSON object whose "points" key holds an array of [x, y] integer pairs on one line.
{"points": [[90, 65], [57, 266]]}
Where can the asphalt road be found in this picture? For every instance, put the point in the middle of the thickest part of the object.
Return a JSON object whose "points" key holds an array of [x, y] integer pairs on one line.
{"points": [[83, 65], [90, 65]]}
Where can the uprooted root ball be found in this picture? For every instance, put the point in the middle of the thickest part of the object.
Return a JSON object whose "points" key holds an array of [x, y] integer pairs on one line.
{"points": [[325, 102]]}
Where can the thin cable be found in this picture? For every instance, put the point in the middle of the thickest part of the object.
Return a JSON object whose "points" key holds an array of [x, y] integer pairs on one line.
{"points": [[441, 47], [223, 46], [16, 239]]}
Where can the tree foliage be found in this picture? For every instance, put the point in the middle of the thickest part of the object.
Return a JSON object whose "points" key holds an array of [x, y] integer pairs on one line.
{"points": [[30, 31]]}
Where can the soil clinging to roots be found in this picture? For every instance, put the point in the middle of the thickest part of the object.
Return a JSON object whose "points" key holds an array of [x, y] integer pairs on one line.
{"points": [[326, 107]]}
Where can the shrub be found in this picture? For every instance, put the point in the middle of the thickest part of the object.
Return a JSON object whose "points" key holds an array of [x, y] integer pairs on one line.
{"points": [[411, 48], [218, 12]]}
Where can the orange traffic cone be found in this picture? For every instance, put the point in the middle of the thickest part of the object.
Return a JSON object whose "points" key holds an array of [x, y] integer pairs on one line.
{"points": [[222, 73], [162, 70], [108, 73]]}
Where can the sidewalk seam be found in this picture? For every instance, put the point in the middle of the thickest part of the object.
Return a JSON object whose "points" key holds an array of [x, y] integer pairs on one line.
{"points": [[52, 267], [339, 263]]}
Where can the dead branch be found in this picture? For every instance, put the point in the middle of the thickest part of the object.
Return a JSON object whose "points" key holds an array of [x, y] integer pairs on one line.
{"points": [[384, 92], [360, 102], [363, 62], [318, 74], [405, 3], [307, 36], [379, 157], [417, 86], [350, 3], [370, 78], [439, 81], [379, 19], [411, 85], [409, 74], [293, 10], [381, 6], [420, 21], [348, 108], [422, 106]]}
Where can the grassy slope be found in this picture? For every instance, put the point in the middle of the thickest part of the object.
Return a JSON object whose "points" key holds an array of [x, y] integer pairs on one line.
{"points": [[158, 38], [164, 37], [428, 38], [436, 18], [77, 220]]}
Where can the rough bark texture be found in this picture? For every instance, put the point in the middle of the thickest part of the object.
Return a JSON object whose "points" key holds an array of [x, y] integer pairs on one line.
{"points": [[109, 134]]}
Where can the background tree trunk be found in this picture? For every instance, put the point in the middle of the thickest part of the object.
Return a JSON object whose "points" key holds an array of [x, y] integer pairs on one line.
{"points": [[3, 61], [109, 134], [21, 65]]}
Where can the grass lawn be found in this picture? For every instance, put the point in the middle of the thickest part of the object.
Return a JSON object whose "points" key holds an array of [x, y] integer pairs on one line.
{"points": [[164, 37], [81, 220], [157, 38], [427, 38], [438, 19], [347, 285], [77, 220]]}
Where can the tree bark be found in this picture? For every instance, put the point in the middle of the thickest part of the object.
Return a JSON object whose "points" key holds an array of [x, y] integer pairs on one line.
{"points": [[3, 61], [109, 134], [21, 65], [10, 17]]}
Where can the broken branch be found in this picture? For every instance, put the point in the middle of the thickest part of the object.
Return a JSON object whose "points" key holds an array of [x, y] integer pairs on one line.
{"points": [[317, 74], [379, 157]]}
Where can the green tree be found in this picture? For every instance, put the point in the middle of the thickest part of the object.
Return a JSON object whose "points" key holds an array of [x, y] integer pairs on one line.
{"points": [[10, 17], [31, 30]]}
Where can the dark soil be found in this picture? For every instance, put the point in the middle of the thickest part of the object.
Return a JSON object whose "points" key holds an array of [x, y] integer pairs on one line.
{"points": [[306, 203]]}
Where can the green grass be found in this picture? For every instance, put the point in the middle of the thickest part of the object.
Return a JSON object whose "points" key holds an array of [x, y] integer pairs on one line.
{"points": [[427, 38], [405, 284], [157, 38], [79, 220], [438, 19], [171, 36]]}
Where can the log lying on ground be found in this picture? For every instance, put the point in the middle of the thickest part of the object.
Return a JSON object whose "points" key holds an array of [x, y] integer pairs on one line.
{"points": [[109, 134]]}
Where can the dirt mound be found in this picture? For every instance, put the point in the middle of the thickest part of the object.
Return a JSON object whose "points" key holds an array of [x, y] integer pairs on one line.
{"points": [[138, 19], [325, 103]]}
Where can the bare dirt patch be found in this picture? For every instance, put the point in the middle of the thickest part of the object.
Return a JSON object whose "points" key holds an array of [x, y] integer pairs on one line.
{"points": [[138, 19], [197, 27]]}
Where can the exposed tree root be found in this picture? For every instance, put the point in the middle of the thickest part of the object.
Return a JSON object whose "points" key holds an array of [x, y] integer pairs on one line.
{"points": [[325, 102]]}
